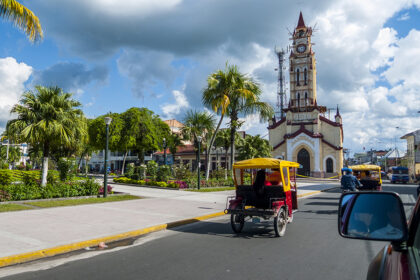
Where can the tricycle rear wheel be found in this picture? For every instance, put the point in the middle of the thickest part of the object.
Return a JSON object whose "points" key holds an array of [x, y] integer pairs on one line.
{"points": [[237, 222], [280, 222]]}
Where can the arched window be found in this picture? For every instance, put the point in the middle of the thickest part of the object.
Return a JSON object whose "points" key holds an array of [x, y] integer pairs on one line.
{"points": [[305, 76], [298, 99], [306, 98], [329, 164], [297, 77]]}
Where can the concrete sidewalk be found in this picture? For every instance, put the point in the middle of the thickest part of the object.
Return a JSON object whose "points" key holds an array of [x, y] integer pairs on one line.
{"points": [[34, 230]]}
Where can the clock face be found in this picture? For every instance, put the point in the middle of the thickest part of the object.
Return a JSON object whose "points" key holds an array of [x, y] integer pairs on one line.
{"points": [[301, 48]]}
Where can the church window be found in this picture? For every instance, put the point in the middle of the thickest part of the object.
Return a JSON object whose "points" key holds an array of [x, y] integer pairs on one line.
{"points": [[298, 98], [306, 98], [305, 76], [329, 164], [297, 77]]}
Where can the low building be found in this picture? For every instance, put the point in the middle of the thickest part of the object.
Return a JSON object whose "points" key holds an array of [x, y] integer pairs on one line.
{"points": [[413, 154]]}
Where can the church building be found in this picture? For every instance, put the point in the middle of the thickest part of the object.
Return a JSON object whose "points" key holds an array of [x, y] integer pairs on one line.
{"points": [[304, 134]]}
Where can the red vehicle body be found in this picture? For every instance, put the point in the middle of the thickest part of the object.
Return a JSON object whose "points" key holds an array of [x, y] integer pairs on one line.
{"points": [[400, 259]]}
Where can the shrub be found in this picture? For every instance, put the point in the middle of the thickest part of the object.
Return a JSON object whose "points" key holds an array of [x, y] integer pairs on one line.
{"points": [[151, 168], [161, 184], [4, 165], [163, 173], [64, 167], [52, 178], [21, 166], [6, 177], [29, 178], [182, 172], [135, 177], [130, 169], [141, 171], [28, 166], [4, 195], [109, 190]]}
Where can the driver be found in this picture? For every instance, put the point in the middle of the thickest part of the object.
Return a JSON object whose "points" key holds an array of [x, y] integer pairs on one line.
{"points": [[349, 181]]}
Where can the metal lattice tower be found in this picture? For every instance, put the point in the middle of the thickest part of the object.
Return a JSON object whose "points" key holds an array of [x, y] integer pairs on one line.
{"points": [[281, 90]]}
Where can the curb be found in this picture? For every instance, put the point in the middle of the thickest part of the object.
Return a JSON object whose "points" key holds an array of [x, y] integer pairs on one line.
{"points": [[54, 251]]}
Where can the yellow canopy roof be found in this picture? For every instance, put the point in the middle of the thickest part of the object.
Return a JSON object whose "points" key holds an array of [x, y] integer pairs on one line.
{"points": [[264, 163], [365, 167]]}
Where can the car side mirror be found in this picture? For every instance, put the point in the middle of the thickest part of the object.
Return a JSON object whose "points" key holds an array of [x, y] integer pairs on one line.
{"points": [[372, 216]]}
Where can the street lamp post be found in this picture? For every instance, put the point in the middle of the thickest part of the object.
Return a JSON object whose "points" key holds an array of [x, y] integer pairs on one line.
{"points": [[107, 122], [199, 163], [164, 151]]}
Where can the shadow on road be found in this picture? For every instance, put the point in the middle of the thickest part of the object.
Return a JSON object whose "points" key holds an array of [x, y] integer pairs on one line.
{"points": [[264, 229]]}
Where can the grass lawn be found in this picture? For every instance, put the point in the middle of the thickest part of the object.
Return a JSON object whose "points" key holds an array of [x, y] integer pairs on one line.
{"points": [[72, 202], [13, 207], [218, 189]]}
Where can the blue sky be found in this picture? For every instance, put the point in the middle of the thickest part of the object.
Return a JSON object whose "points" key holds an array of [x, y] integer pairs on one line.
{"points": [[158, 55]]}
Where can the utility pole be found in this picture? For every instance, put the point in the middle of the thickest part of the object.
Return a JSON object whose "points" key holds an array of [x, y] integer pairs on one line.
{"points": [[281, 94]]}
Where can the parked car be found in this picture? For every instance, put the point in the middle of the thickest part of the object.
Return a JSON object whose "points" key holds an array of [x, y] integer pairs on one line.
{"points": [[381, 216]]}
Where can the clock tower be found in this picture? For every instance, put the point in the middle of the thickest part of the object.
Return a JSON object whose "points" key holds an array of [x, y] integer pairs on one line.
{"points": [[305, 134]]}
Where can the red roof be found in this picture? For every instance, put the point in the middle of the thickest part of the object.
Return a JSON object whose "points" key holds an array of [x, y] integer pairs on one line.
{"points": [[301, 23]]}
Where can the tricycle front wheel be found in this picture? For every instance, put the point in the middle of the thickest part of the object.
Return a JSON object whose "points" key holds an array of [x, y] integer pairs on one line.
{"points": [[237, 222], [280, 222]]}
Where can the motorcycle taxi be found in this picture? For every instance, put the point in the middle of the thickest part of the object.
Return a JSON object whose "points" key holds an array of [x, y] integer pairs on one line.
{"points": [[265, 188]]}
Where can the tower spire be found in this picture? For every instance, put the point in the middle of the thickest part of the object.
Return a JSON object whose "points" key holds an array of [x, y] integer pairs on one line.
{"points": [[301, 22]]}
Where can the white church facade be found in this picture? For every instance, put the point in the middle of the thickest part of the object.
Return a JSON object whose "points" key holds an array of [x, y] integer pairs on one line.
{"points": [[305, 135]]}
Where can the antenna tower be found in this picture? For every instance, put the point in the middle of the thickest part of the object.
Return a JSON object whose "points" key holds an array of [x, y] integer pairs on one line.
{"points": [[281, 90]]}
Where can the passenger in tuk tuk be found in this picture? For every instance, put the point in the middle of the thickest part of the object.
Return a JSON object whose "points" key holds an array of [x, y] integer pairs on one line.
{"points": [[259, 182]]}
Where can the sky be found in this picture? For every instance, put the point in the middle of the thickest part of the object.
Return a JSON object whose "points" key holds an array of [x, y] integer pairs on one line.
{"points": [[113, 55]]}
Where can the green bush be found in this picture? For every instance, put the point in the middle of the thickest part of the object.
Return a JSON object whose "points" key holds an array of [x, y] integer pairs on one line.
{"points": [[129, 170], [60, 189], [30, 178], [4, 165], [52, 178], [141, 171], [182, 172], [65, 167], [163, 173], [135, 177], [28, 166], [6, 177], [161, 184], [152, 168]]}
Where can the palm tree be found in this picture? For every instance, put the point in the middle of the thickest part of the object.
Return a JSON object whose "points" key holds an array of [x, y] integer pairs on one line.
{"points": [[48, 118], [22, 18], [223, 140], [253, 147], [197, 124], [12, 156], [234, 94]]}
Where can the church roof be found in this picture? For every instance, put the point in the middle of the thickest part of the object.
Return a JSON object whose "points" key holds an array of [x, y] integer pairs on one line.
{"points": [[301, 23]]}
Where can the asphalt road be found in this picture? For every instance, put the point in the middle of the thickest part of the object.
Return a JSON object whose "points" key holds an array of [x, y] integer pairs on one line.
{"points": [[311, 249]]}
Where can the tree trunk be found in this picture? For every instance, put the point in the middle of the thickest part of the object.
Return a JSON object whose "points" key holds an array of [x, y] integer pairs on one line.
{"points": [[86, 165], [45, 165], [211, 145], [232, 143], [226, 163], [123, 165]]}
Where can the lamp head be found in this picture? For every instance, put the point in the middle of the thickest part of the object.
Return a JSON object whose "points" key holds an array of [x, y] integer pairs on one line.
{"points": [[199, 138], [108, 120]]}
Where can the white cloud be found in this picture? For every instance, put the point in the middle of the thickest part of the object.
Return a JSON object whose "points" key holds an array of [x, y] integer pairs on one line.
{"points": [[385, 45], [171, 110], [404, 17], [13, 75], [406, 64]]}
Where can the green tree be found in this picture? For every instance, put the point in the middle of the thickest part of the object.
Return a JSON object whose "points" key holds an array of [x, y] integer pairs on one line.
{"points": [[223, 140], [22, 18], [253, 147], [235, 94], [49, 118], [14, 154], [173, 142], [197, 124]]}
